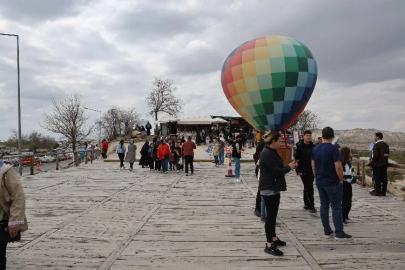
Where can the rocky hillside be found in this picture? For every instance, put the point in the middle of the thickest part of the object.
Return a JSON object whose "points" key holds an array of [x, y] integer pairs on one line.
{"points": [[360, 139]]}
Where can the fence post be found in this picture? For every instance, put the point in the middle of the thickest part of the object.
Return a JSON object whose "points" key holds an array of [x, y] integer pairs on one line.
{"points": [[363, 172], [57, 161], [32, 165]]}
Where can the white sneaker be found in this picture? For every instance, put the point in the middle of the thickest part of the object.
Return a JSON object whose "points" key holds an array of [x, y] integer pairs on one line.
{"points": [[177, 171]]}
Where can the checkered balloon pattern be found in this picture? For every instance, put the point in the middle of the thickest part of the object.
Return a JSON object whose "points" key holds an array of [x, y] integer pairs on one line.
{"points": [[269, 81]]}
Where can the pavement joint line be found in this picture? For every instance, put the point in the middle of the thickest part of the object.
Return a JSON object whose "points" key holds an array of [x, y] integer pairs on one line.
{"points": [[64, 223], [382, 210], [110, 260], [297, 243], [53, 185]]}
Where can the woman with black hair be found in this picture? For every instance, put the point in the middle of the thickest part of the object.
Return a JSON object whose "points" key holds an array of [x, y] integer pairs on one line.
{"points": [[271, 183], [121, 153]]}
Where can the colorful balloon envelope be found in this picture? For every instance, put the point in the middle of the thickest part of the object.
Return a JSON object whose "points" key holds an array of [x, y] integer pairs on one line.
{"points": [[269, 81]]}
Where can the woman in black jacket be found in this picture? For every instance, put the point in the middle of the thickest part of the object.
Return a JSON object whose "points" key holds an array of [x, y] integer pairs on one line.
{"points": [[144, 160], [271, 182]]}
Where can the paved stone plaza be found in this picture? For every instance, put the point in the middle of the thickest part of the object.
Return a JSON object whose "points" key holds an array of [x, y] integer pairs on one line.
{"points": [[97, 217]]}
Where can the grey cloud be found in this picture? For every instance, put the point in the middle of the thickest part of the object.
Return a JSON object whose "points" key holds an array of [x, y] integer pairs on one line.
{"points": [[39, 10], [161, 22], [201, 61]]}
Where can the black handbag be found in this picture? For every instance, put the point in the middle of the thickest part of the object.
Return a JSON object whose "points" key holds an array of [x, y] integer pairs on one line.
{"points": [[5, 235]]}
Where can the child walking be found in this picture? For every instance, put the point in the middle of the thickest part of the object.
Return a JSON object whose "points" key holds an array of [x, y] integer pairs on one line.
{"points": [[348, 180]]}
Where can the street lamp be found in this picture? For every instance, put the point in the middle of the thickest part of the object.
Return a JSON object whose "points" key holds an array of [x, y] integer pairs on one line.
{"points": [[19, 103], [99, 123]]}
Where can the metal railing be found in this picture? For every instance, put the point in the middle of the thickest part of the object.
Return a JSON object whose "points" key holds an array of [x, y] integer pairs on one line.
{"points": [[78, 157]]}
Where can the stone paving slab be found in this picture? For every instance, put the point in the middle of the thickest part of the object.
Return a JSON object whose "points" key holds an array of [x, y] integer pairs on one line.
{"points": [[97, 217]]}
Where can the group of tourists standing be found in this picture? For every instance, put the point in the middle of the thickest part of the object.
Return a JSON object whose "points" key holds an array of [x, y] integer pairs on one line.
{"points": [[160, 155], [324, 163]]}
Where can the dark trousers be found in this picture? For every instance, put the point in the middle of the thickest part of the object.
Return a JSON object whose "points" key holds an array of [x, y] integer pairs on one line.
{"points": [[308, 193], [151, 163], [189, 160], [380, 179], [121, 156], [272, 203], [258, 200], [131, 165], [158, 165], [3, 259], [346, 199], [176, 163]]}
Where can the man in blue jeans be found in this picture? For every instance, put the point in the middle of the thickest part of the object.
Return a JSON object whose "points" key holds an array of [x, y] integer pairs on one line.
{"points": [[328, 171], [236, 155]]}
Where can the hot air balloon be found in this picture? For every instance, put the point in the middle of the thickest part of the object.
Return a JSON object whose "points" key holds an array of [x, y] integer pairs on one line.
{"points": [[269, 81]]}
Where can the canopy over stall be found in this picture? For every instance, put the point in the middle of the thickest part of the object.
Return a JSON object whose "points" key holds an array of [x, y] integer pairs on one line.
{"points": [[205, 120], [168, 125]]}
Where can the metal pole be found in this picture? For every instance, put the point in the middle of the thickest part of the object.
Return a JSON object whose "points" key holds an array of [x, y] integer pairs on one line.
{"points": [[19, 109], [99, 133], [19, 103]]}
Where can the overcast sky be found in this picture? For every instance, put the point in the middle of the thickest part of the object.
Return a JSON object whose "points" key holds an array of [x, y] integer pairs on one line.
{"points": [[109, 51]]}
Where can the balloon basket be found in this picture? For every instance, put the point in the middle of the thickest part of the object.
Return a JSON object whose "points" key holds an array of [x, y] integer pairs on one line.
{"points": [[285, 154]]}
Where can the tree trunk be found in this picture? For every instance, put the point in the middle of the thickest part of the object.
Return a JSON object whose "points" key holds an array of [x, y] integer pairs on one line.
{"points": [[156, 116]]}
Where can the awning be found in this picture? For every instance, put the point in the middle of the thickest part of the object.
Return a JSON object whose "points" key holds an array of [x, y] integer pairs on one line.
{"points": [[167, 119], [205, 120], [219, 121]]}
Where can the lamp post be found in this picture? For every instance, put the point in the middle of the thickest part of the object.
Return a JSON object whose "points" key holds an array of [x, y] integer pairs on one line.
{"points": [[19, 103], [99, 123]]}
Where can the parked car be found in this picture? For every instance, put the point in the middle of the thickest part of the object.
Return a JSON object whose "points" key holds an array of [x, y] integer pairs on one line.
{"points": [[12, 161], [47, 159], [27, 161], [62, 156]]}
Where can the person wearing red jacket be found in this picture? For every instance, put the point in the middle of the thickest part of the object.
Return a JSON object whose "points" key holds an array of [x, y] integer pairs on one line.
{"points": [[104, 148], [163, 154], [187, 152]]}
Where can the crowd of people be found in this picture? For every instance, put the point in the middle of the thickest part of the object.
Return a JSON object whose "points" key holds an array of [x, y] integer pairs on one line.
{"points": [[323, 163], [162, 154]]}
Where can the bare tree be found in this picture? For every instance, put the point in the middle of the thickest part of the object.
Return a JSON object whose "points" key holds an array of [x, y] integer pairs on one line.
{"points": [[307, 120], [67, 119], [116, 122], [32, 141], [162, 99]]}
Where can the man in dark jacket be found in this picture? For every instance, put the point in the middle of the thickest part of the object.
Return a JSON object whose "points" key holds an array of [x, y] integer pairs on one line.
{"points": [[379, 162], [304, 169], [237, 155], [148, 128]]}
